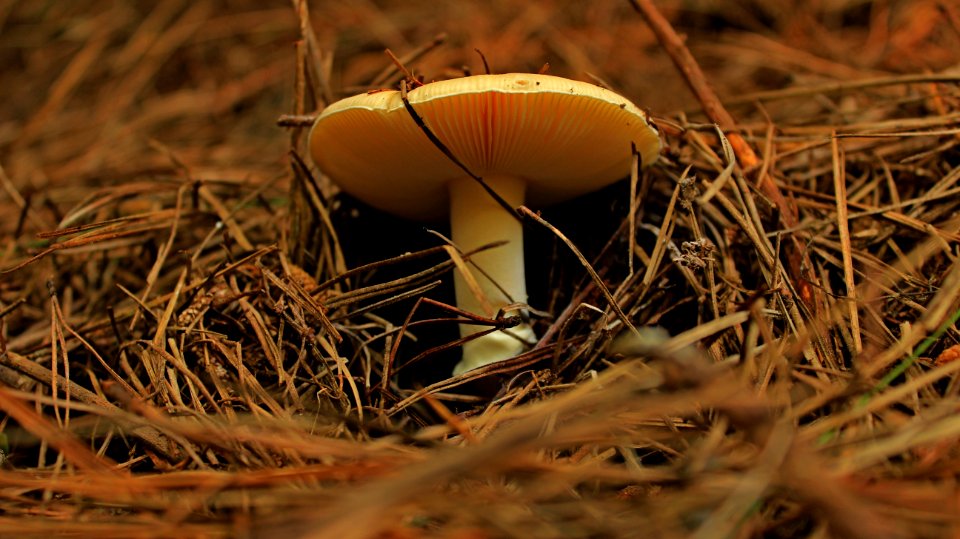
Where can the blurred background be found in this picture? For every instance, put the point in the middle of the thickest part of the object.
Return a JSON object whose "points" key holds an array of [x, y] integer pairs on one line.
{"points": [[100, 90]]}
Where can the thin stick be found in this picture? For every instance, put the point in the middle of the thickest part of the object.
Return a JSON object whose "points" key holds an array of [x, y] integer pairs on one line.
{"points": [[486, 66], [688, 66], [402, 68], [593, 274], [690, 69], [408, 58], [296, 120], [314, 53], [149, 434], [447, 152], [73, 449]]}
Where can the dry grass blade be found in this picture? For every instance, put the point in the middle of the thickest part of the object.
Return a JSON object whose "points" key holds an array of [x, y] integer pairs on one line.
{"points": [[843, 226]]}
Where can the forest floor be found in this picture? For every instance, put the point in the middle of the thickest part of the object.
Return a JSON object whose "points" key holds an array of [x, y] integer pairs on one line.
{"points": [[201, 337]]}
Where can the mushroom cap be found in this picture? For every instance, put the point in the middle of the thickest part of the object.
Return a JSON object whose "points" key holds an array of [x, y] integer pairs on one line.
{"points": [[564, 137]]}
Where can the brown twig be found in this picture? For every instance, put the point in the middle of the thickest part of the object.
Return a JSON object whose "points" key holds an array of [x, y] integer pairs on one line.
{"points": [[687, 65], [406, 59]]}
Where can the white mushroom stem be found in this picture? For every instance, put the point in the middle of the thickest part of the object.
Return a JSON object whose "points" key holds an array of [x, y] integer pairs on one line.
{"points": [[476, 219]]}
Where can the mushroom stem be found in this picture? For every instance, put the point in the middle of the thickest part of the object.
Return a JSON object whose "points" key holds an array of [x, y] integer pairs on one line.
{"points": [[476, 219]]}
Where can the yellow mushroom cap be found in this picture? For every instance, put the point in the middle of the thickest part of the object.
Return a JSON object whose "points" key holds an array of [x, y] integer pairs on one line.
{"points": [[564, 138]]}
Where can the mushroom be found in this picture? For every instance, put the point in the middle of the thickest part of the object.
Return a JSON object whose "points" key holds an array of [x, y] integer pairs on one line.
{"points": [[535, 139]]}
